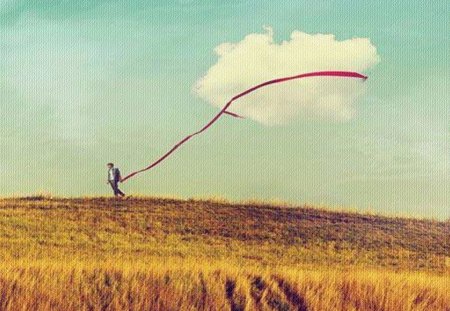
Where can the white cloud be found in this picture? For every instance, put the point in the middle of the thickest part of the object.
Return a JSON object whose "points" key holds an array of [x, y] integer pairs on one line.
{"points": [[257, 58]]}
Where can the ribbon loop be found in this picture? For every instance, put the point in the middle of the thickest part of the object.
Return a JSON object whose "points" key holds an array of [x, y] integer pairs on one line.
{"points": [[343, 74]]}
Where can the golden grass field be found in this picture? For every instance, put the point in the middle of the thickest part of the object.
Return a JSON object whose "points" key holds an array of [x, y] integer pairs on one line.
{"points": [[168, 254]]}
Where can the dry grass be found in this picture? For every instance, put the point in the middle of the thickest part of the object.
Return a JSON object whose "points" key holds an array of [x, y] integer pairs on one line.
{"points": [[166, 254], [213, 286]]}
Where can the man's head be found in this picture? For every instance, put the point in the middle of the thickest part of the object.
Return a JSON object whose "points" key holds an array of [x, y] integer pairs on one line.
{"points": [[110, 165]]}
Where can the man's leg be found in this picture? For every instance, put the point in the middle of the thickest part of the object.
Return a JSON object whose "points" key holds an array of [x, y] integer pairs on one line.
{"points": [[119, 191], [116, 189], [112, 186]]}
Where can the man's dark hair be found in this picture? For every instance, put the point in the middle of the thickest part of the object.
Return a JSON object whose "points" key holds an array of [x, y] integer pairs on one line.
{"points": [[112, 164]]}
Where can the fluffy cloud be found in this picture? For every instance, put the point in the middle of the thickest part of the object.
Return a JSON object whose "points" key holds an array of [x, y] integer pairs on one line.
{"points": [[258, 58]]}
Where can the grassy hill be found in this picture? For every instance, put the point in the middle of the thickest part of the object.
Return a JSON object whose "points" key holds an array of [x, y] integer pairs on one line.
{"points": [[166, 254]]}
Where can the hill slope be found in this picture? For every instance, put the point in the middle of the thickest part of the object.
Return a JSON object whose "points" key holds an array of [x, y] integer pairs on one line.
{"points": [[264, 234]]}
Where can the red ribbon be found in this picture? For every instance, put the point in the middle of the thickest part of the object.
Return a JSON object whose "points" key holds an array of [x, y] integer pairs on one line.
{"points": [[345, 74]]}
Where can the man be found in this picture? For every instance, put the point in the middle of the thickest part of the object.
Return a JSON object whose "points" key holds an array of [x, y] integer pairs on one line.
{"points": [[114, 178]]}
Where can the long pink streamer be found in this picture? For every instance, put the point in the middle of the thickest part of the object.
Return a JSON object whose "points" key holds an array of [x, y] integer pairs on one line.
{"points": [[345, 74]]}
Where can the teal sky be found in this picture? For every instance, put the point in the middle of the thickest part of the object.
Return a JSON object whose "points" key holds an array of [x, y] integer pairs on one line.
{"points": [[87, 82]]}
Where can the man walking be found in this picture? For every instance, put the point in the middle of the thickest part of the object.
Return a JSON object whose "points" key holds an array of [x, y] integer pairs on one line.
{"points": [[114, 178]]}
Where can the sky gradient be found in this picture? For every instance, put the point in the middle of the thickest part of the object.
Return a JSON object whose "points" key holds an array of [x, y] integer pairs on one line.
{"points": [[87, 82]]}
